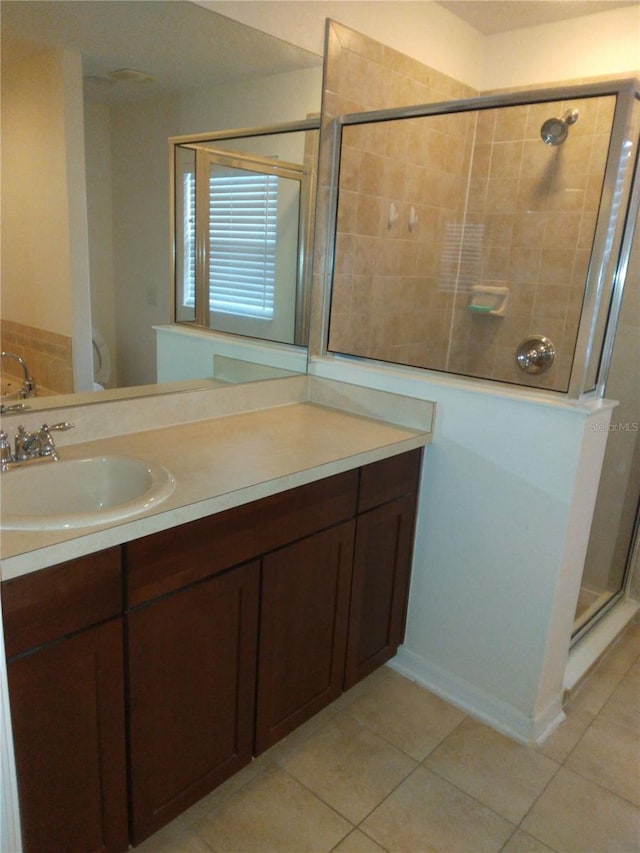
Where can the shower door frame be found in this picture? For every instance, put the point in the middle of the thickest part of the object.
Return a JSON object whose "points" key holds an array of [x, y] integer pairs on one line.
{"points": [[631, 231], [602, 293]]}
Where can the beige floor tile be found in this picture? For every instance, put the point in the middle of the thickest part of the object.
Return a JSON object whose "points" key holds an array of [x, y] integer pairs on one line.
{"points": [[358, 842], [348, 767], [598, 687], [200, 810], [426, 813], [575, 815], [378, 677], [560, 742], [494, 769], [288, 745], [522, 842], [406, 715], [172, 839], [609, 755], [273, 813], [623, 706], [624, 653]]}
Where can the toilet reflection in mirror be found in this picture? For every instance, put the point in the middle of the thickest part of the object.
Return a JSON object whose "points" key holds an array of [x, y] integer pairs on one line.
{"points": [[101, 361]]}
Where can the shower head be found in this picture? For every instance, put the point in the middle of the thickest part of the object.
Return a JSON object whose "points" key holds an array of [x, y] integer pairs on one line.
{"points": [[555, 130]]}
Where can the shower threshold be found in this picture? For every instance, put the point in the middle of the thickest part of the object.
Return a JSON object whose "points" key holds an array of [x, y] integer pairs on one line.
{"points": [[585, 653]]}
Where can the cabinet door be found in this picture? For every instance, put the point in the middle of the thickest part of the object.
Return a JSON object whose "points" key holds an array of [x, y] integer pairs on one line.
{"points": [[381, 573], [67, 709], [303, 626], [191, 691]]}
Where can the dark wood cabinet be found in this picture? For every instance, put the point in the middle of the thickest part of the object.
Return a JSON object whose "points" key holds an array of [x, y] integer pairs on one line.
{"points": [[303, 630], [236, 629], [382, 563], [191, 692], [381, 573], [67, 705]]}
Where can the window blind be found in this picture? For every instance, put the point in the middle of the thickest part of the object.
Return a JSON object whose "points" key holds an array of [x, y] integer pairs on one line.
{"points": [[243, 210], [189, 240]]}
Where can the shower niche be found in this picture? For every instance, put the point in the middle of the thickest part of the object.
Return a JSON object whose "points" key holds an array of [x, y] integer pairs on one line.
{"points": [[505, 212]]}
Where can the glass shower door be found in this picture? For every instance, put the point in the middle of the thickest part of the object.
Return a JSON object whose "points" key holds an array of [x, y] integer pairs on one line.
{"points": [[610, 557]]}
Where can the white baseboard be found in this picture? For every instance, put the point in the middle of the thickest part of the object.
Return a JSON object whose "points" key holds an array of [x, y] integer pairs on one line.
{"points": [[495, 713]]}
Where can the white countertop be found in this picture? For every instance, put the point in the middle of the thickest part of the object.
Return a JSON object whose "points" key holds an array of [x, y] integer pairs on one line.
{"points": [[224, 461]]}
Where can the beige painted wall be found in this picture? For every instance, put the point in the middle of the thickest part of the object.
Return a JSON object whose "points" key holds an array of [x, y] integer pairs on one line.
{"points": [[606, 43], [45, 284], [36, 250]]}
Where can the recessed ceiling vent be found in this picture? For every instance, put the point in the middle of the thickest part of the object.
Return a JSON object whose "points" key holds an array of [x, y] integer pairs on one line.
{"points": [[131, 75]]}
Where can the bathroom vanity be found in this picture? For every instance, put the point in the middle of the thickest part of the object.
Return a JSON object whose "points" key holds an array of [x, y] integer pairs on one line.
{"points": [[144, 673]]}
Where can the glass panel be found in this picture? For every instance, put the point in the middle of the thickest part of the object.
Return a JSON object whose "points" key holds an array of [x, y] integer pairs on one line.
{"points": [[461, 235], [618, 498]]}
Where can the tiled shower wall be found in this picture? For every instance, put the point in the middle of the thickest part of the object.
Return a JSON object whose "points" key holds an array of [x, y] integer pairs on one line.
{"points": [[402, 184], [362, 74], [536, 206], [47, 354], [407, 187], [386, 303]]}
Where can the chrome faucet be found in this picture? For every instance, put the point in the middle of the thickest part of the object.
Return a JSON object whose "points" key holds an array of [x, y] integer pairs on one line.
{"points": [[30, 445], [28, 388]]}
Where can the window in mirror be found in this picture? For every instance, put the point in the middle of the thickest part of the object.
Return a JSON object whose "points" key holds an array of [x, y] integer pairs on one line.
{"points": [[241, 221], [243, 218]]}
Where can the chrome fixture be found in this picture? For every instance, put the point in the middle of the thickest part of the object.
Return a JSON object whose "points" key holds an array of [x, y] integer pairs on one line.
{"points": [[555, 130], [30, 445], [13, 407], [28, 388], [535, 354]]}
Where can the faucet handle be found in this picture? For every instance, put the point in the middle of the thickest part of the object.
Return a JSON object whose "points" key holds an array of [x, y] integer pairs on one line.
{"points": [[47, 446], [63, 426], [5, 451]]}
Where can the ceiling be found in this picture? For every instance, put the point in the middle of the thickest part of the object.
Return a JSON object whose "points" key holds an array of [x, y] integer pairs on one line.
{"points": [[501, 16], [182, 45]]}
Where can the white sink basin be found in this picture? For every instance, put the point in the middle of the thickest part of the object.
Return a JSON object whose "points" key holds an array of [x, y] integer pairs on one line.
{"points": [[80, 492]]}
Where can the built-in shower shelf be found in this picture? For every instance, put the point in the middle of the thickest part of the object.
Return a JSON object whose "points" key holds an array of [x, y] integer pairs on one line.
{"points": [[488, 299]]}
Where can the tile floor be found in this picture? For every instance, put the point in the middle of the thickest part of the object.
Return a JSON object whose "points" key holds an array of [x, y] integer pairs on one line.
{"points": [[390, 767]]}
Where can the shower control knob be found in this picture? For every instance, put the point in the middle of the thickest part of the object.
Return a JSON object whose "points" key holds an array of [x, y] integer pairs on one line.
{"points": [[535, 354]]}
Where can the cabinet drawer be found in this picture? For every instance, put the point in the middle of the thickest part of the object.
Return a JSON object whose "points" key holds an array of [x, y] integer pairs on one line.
{"points": [[388, 479], [169, 560], [49, 604]]}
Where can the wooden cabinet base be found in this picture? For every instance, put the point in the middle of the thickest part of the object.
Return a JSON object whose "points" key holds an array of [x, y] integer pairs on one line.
{"points": [[68, 727], [237, 629], [191, 692], [303, 631], [381, 573]]}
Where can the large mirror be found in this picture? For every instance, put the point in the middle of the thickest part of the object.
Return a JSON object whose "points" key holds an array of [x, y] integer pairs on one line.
{"points": [[91, 92]]}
